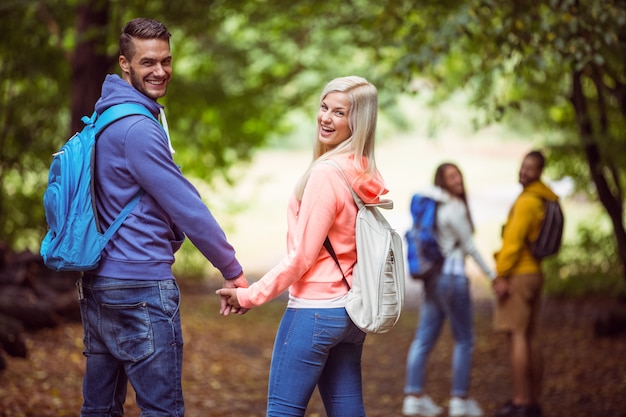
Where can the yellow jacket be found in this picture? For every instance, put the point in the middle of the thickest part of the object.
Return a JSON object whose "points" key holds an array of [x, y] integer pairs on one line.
{"points": [[522, 227]]}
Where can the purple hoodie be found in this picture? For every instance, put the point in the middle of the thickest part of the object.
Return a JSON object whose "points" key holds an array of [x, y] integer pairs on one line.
{"points": [[133, 154]]}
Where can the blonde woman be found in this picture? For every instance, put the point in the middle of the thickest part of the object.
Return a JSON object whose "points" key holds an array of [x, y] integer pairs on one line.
{"points": [[317, 344]]}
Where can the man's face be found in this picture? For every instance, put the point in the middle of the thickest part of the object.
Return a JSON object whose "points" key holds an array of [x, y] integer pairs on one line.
{"points": [[150, 68], [530, 171]]}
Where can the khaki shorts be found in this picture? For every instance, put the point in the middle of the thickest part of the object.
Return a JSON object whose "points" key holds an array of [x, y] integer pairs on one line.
{"points": [[520, 310]]}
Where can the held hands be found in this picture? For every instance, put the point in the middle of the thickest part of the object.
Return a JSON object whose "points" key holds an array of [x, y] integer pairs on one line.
{"points": [[500, 288], [228, 293]]}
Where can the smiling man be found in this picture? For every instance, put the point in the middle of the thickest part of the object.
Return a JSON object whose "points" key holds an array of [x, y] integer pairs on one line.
{"points": [[130, 302], [146, 65], [518, 290]]}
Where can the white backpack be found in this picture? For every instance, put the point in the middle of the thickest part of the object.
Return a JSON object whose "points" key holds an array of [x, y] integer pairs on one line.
{"points": [[376, 298]]}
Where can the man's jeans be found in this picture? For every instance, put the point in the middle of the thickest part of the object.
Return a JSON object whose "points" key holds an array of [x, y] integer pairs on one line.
{"points": [[132, 332], [448, 297], [316, 347]]}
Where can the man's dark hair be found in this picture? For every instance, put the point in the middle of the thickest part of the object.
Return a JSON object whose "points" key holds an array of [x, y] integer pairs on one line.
{"points": [[539, 157], [141, 28]]}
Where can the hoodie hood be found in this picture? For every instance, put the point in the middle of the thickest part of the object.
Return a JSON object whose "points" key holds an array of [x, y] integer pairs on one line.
{"points": [[436, 193], [369, 188], [115, 91], [542, 190]]}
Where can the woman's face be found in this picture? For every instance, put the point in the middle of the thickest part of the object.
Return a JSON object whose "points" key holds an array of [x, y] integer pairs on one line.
{"points": [[454, 181], [332, 119]]}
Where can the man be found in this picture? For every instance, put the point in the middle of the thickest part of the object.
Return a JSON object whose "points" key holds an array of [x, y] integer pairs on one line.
{"points": [[518, 289], [130, 303]]}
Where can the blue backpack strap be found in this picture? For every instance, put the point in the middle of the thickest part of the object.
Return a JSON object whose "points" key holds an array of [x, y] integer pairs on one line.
{"points": [[107, 117], [122, 216], [119, 111]]}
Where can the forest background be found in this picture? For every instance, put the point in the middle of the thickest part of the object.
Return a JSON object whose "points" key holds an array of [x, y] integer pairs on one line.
{"points": [[247, 74], [547, 74], [478, 82]]}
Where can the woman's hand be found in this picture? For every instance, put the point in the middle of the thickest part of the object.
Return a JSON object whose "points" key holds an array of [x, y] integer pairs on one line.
{"points": [[230, 303]]}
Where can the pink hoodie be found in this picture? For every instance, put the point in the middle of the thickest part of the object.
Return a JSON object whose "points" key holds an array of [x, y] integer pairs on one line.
{"points": [[327, 208]]}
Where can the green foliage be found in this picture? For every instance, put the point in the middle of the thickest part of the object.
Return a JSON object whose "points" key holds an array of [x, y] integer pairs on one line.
{"points": [[239, 69], [557, 63], [588, 266], [33, 116], [517, 57], [244, 68]]}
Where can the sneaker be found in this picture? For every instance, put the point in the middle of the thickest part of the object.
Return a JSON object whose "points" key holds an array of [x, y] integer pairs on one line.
{"points": [[420, 406], [511, 410], [459, 407]]}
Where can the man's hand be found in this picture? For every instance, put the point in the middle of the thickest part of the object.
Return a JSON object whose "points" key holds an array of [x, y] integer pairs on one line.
{"points": [[228, 294], [500, 287]]}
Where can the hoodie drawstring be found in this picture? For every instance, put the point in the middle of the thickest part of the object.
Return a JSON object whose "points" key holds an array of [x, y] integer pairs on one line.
{"points": [[167, 131]]}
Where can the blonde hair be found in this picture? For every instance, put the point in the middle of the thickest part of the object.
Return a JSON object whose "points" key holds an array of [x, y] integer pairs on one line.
{"points": [[362, 118]]}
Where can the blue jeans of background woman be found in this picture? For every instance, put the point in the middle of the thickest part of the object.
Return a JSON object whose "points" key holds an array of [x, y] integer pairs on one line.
{"points": [[132, 332], [448, 297], [316, 347]]}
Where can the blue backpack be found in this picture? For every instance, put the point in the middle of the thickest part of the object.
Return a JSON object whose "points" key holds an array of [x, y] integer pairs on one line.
{"points": [[74, 241], [423, 254]]}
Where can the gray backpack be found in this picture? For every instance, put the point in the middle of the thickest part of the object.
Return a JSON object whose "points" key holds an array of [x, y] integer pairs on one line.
{"points": [[548, 242], [376, 298]]}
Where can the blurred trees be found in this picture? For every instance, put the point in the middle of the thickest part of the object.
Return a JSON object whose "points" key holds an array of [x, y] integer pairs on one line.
{"points": [[242, 66], [239, 68], [558, 64]]}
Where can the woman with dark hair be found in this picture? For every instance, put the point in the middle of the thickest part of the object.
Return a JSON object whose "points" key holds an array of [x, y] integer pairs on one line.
{"points": [[448, 296]]}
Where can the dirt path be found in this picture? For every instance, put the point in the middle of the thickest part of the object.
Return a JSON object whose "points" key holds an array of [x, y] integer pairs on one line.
{"points": [[227, 361]]}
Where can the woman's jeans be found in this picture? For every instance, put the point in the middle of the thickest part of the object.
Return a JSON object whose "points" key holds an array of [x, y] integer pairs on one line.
{"points": [[316, 347], [448, 296], [132, 332]]}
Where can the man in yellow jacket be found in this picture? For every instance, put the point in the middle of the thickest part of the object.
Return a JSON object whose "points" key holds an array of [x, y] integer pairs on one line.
{"points": [[518, 289]]}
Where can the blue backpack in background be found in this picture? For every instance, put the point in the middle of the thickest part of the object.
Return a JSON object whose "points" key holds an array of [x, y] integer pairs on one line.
{"points": [[74, 241], [423, 255]]}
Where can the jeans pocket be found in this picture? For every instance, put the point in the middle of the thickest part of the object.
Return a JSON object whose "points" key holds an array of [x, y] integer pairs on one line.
{"points": [[170, 297], [328, 331], [132, 329]]}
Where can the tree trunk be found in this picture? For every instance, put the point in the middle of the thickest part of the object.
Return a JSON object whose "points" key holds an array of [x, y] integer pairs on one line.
{"points": [[597, 166], [32, 297], [89, 61], [11, 339]]}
